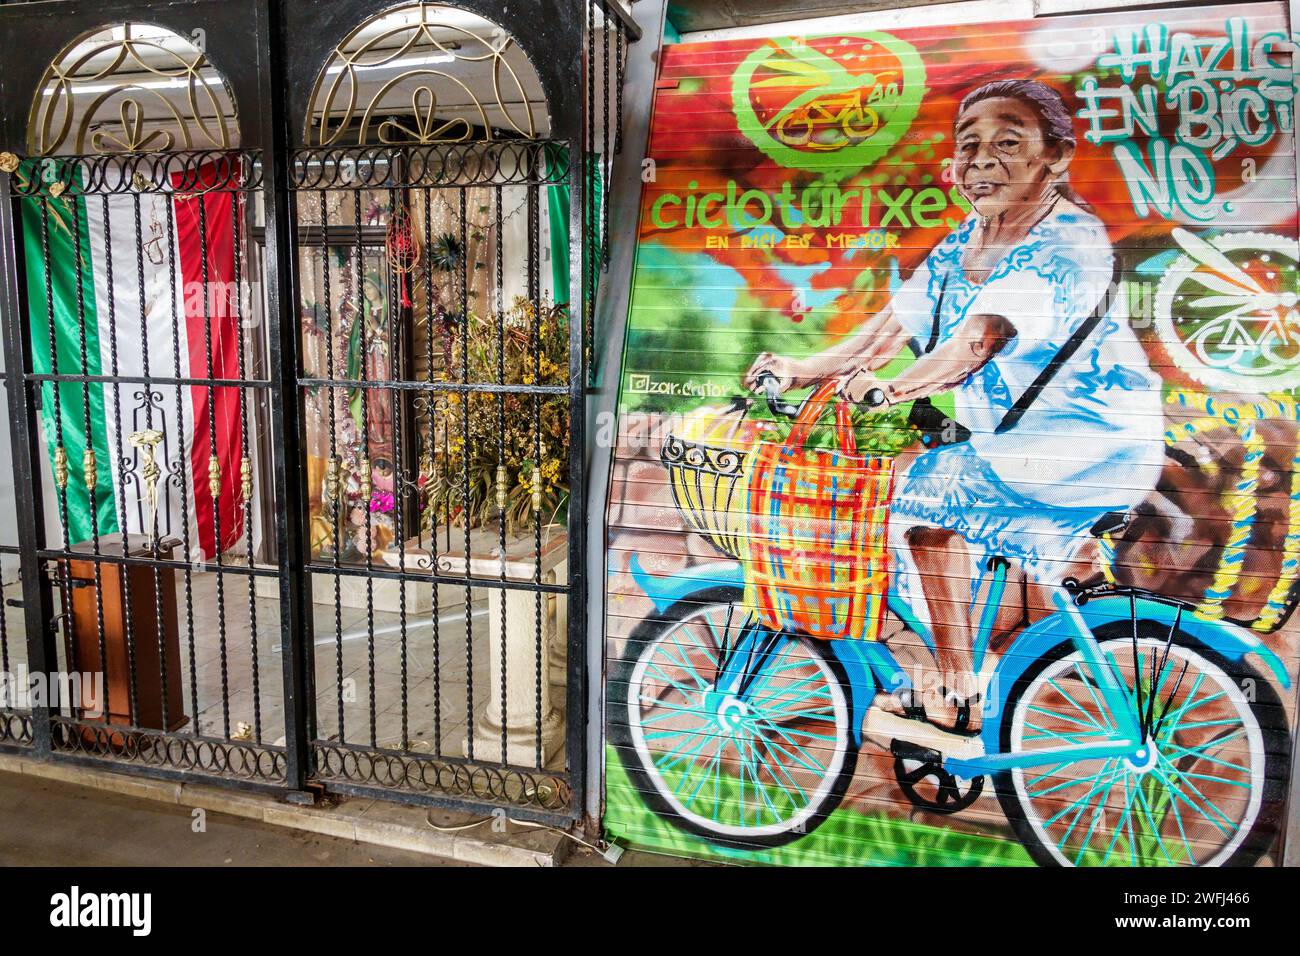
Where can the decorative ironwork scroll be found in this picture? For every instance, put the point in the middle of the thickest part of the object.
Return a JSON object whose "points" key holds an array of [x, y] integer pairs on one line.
{"points": [[411, 53], [131, 89]]}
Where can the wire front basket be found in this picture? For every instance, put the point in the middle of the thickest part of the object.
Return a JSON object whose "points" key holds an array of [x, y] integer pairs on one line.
{"points": [[709, 488]]}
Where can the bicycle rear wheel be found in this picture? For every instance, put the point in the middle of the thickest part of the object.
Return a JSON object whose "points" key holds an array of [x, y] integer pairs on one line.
{"points": [[1204, 790]]}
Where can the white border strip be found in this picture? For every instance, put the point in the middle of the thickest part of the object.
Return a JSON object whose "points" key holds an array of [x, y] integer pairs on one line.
{"points": [[947, 14], [612, 303]]}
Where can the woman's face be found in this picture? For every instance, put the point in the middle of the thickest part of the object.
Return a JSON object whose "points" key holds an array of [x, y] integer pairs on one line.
{"points": [[1002, 162]]}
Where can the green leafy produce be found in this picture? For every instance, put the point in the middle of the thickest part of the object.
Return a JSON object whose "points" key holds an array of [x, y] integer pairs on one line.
{"points": [[879, 434]]}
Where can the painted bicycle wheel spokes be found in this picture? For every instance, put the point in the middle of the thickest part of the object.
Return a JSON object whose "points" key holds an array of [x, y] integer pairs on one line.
{"points": [[1188, 796], [759, 757]]}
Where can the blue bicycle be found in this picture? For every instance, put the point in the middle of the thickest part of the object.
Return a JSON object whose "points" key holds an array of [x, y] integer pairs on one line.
{"points": [[1122, 728]]}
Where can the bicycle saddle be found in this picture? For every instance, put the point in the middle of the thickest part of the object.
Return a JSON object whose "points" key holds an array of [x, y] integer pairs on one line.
{"points": [[1112, 522]]}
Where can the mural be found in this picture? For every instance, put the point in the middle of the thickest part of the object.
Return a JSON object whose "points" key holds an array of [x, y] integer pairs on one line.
{"points": [[955, 518]]}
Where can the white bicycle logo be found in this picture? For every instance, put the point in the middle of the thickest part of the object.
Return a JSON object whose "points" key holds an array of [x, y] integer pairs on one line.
{"points": [[1226, 311]]}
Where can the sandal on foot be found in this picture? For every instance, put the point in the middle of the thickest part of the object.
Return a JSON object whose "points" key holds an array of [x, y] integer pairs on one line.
{"points": [[915, 710]]}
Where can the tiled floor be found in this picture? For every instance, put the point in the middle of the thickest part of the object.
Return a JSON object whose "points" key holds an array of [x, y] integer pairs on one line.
{"points": [[437, 685]]}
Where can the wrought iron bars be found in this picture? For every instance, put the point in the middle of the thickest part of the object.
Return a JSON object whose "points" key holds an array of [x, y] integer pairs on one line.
{"points": [[136, 287], [431, 384], [609, 29]]}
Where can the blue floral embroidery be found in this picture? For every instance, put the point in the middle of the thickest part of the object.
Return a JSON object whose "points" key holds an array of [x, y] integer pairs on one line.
{"points": [[982, 489]]}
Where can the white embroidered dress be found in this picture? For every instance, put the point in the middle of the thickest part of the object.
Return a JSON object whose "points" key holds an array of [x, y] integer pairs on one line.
{"points": [[1092, 441]]}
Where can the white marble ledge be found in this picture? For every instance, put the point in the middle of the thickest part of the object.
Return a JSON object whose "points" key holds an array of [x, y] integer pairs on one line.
{"points": [[519, 562]]}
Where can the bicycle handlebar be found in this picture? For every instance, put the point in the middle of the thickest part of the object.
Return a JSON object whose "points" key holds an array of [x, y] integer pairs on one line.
{"points": [[874, 398], [771, 386]]}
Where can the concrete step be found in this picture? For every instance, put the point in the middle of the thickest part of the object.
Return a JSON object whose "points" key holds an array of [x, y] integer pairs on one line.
{"points": [[466, 838]]}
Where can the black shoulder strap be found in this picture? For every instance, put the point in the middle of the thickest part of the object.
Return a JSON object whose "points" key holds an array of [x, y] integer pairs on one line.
{"points": [[935, 318], [1066, 352]]}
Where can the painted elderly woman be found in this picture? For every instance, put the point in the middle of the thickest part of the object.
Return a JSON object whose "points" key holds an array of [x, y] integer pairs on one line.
{"points": [[1017, 289]]}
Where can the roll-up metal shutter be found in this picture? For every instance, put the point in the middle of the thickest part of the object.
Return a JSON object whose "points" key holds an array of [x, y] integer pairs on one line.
{"points": [[955, 516]]}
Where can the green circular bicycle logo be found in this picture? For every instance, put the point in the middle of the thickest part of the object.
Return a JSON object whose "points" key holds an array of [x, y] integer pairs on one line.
{"points": [[807, 108]]}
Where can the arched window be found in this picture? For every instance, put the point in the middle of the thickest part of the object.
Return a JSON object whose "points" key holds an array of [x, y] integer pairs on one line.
{"points": [[426, 73], [131, 88]]}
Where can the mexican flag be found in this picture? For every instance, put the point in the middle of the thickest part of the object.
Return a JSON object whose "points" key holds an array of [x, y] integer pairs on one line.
{"points": [[141, 285]]}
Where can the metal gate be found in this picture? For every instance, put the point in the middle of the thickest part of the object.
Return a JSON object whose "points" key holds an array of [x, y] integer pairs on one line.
{"points": [[143, 376], [295, 381]]}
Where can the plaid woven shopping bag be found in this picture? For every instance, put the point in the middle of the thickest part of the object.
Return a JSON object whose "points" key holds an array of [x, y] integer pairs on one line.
{"points": [[818, 559]]}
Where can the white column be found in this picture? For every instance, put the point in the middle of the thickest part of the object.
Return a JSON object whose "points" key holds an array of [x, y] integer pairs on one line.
{"points": [[517, 711], [513, 612]]}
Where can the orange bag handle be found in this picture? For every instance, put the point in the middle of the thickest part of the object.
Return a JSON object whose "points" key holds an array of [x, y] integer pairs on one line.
{"points": [[810, 414]]}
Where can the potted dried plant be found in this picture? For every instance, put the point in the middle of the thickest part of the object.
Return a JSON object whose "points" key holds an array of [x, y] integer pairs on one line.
{"points": [[514, 458]]}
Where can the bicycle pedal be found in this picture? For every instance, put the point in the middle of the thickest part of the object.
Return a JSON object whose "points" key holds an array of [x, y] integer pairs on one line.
{"points": [[885, 727], [906, 750]]}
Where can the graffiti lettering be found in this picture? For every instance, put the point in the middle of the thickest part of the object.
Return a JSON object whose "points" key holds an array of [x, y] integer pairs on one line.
{"points": [[1227, 92], [813, 207]]}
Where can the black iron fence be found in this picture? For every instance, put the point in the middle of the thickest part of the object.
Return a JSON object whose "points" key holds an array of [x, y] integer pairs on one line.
{"points": [[296, 425], [455, 426], [147, 357]]}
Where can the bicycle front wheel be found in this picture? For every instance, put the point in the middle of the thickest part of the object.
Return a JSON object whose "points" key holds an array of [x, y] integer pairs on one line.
{"points": [[1202, 790], [757, 764]]}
